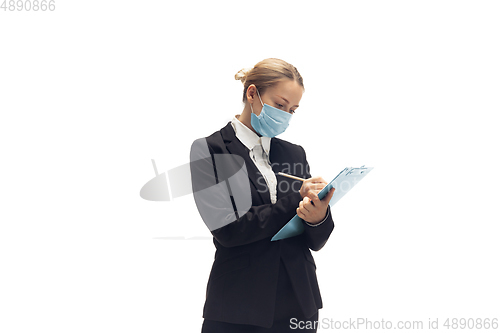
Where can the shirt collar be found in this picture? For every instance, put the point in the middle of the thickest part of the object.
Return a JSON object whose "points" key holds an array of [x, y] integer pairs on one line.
{"points": [[248, 137]]}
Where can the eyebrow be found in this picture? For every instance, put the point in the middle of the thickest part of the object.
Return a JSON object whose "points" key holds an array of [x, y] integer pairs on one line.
{"points": [[283, 98]]}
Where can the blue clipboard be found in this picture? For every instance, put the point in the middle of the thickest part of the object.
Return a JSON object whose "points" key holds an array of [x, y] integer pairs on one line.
{"points": [[342, 183]]}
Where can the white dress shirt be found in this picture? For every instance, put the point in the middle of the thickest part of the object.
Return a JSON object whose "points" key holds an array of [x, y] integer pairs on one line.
{"points": [[259, 148]]}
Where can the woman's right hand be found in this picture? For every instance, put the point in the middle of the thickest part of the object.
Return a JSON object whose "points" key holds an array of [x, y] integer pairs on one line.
{"points": [[311, 187]]}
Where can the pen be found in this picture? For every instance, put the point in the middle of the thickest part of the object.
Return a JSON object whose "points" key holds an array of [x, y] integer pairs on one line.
{"points": [[290, 176]]}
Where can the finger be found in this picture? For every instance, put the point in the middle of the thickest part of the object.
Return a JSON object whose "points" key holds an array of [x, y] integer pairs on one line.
{"points": [[315, 187], [302, 208], [300, 214], [329, 195], [308, 204], [318, 180], [315, 180], [313, 196], [315, 199], [308, 186], [305, 187]]}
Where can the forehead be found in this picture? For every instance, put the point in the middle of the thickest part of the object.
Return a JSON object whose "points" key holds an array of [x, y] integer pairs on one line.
{"points": [[288, 89]]}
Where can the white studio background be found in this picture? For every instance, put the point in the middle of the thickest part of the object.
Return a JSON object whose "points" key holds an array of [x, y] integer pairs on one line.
{"points": [[91, 92]]}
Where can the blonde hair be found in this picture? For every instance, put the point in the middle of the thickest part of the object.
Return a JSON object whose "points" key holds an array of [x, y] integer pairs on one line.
{"points": [[266, 74]]}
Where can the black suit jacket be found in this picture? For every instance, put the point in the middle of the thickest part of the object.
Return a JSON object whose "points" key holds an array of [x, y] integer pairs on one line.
{"points": [[242, 284]]}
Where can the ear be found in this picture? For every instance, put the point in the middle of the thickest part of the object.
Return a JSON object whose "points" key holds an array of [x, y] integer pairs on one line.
{"points": [[251, 93]]}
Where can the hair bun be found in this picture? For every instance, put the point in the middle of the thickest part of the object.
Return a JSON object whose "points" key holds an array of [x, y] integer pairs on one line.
{"points": [[242, 74]]}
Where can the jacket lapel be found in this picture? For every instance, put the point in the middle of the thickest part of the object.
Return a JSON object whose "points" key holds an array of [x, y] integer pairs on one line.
{"points": [[282, 161], [234, 146]]}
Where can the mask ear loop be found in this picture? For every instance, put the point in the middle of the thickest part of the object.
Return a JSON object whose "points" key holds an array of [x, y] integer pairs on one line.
{"points": [[259, 97], [251, 107]]}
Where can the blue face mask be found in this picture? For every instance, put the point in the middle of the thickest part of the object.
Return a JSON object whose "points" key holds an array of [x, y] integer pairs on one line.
{"points": [[271, 121]]}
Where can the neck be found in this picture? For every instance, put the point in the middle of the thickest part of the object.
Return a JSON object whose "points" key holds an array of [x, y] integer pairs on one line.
{"points": [[245, 118]]}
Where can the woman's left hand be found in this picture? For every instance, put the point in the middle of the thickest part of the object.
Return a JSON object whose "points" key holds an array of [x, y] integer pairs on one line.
{"points": [[314, 211]]}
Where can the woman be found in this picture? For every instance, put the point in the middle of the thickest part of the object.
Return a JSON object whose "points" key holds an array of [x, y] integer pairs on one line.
{"points": [[259, 285]]}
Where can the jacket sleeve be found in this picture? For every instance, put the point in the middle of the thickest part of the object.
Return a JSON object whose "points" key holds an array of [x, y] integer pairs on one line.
{"points": [[227, 210], [317, 235]]}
